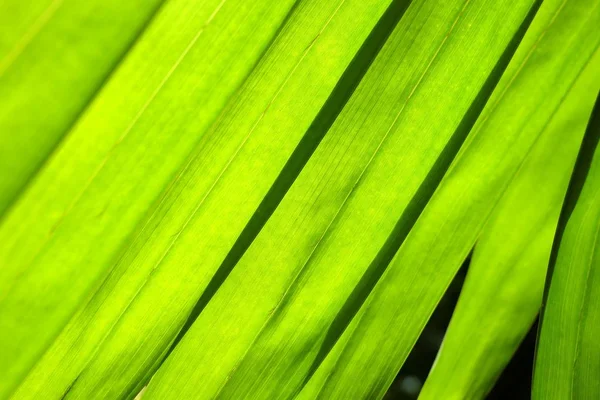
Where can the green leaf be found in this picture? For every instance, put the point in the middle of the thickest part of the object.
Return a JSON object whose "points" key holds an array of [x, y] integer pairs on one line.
{"points": [[369, 354], [114, 343], [567, 363], [54, 57], [503, 289], [265, 328], [89, 201], [267, 199]]}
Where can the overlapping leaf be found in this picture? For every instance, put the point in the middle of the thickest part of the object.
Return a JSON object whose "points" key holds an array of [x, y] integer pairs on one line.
{"points": [[251, 195], [503, 290], [67, 229], [568, 356]]}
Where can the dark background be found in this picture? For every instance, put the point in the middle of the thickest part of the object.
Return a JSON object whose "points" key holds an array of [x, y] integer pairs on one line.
{"points": [[514, 383]]}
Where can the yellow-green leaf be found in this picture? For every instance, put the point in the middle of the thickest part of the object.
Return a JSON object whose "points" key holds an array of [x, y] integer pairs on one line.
{"points": [[70, 226], [265, 329], [54, 57], [567, 363], [117, 340], [503, 289], [366, 358]]}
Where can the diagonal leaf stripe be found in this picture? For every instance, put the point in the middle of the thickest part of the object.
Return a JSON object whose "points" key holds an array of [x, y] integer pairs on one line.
{"points": [[118, 334], [291, 283], [368, 355], [503, 290], [67, 229], [567, 352], [230, 199]]}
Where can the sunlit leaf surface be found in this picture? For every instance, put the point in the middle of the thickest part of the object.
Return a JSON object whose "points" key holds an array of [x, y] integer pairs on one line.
{"points": [[503, 291], [265, 199], [568, 356], [54, 57]]}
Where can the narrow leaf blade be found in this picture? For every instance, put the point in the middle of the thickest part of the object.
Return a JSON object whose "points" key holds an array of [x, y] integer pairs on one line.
{"points": [[568, 357], [555, 49], [503, 289]]}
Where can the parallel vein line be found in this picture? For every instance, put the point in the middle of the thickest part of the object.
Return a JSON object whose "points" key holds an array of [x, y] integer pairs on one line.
{"points": [[31, 33]]}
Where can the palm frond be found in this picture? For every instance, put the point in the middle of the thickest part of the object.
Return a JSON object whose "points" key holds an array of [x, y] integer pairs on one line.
{"points": [[268, 199]]}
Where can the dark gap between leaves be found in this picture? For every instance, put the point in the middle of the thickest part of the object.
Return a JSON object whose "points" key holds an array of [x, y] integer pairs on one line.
{"points": [[306, 147], [514, 382], [420, 199]]}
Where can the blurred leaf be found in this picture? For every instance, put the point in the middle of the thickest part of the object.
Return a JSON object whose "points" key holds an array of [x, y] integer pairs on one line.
{"points": [[503, 289], [54, 57], [568, 354], [68, 228], [365, 360]]}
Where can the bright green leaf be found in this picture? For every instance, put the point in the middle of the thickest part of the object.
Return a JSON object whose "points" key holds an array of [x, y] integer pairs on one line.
{"points": [[365, 360], [265, 329], [568, 354], [54, 57], [503, 289], [67, 229], [267, 199], [116, 341]]}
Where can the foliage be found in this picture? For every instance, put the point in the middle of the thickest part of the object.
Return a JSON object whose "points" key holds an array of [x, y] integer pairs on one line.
{"points": [[268, 199]]}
